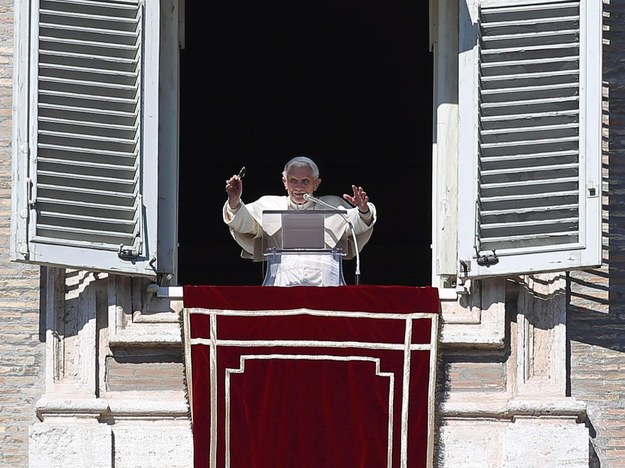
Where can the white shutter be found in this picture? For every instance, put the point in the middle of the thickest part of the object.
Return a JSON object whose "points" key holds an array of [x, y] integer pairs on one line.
{"points": [[530, 148], [88, 183]]}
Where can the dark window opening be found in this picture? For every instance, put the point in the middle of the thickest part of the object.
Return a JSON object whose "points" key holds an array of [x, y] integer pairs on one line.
{"points": [[348, 84]]}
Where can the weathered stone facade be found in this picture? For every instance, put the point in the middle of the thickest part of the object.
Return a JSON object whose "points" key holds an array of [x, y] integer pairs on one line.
{"points": [[543, 356], [116, 393], [596, 309], [22, 349]]}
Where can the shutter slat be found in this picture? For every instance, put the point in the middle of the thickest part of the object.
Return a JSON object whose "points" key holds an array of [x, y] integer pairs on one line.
{"points": [[521, 63], [84, 206], [525, 244], [528, 10], [505, 245], [534, 228], [521, 76], [75, 45], [86, 194], [76, 82], [531, 116], [546, 128], [89, 220], [85, 235], [81, 17], [86, 150], [530, 143], [521, 185], [92, 138], [129, 5], [522, 103], [527, 170], [71, 111], [82, 123], [86, 178], [510, 240], [543, 209], [544, 48], [105, 72], [530, 196], [528, 23], [89, 164]]}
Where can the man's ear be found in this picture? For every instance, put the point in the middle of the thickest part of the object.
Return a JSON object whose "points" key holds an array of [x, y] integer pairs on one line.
{"points": [[284, 182], [317, 183]]}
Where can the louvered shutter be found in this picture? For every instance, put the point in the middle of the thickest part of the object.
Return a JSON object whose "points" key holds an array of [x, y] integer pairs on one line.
{"points": [[530, 110], [90, 188]]}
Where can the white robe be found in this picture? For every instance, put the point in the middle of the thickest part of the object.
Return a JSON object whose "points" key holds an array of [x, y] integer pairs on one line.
{"points": [[245, 225]]}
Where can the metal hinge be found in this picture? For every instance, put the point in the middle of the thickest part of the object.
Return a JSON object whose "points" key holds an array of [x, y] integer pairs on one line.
{"points": [[131, 252], [486, 260]]}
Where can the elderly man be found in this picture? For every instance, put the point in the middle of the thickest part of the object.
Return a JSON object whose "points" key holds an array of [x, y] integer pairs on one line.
{"points": [[301, 179]]}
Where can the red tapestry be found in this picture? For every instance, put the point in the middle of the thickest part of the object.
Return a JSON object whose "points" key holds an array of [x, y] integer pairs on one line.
{"points": [[311, 377]]}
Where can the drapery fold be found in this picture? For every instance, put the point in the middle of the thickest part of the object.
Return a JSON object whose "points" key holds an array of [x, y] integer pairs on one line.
{"points": [[311, 377]]}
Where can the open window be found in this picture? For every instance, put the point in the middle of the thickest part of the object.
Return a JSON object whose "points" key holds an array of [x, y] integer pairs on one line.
{"points": [[277, 85], [517, 182]]}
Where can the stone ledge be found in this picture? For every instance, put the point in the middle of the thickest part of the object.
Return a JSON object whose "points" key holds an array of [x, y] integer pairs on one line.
{"points": [[500, 408], [88, 408], [134, 405], [142, 405], [145, 335]]}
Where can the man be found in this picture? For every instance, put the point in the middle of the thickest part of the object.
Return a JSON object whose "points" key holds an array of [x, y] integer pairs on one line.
{"points": [[300, 178]]}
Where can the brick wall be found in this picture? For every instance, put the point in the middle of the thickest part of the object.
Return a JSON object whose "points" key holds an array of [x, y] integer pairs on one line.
{"points": [[21, 338], [21, 351], [596, 315], [156, 371]]}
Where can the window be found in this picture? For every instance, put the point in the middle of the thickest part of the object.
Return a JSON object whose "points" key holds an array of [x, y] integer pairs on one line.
{"points": [[96, 136]]}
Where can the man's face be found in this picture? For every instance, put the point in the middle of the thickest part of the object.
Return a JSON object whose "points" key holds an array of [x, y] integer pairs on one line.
{"points": [[299, 181]]}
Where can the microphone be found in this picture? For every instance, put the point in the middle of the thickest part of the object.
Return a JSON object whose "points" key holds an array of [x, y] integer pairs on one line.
{"points": [[318, 201]]}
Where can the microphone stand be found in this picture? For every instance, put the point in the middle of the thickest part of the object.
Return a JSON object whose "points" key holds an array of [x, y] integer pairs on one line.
{"points": [[351, 227]]}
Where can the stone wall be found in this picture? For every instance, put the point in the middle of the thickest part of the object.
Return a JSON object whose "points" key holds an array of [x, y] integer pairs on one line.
{"points": [[21, 335], [595, 331], [596, 315], [22, 349], [116, 396]]}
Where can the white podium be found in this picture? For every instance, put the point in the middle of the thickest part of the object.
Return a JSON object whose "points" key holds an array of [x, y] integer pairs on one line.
{"points": [[304, 248]]}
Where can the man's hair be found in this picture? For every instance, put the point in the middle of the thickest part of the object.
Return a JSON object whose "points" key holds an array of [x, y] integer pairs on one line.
{"points": [[301, 161]]}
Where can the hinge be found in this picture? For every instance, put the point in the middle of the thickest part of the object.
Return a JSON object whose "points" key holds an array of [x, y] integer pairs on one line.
{"points": [[465, 268], [481, 259], [130, 252], [486, 260], [29, 194]]}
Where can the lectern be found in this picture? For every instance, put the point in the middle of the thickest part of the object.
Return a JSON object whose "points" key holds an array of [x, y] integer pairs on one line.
{"points": [[304, 248]]}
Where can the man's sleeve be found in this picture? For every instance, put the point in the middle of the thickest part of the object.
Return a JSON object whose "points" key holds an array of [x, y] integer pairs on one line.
{"points": [[243, 228]]}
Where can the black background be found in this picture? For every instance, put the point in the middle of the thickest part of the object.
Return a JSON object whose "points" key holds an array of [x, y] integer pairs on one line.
{"points": [[348, 84]]}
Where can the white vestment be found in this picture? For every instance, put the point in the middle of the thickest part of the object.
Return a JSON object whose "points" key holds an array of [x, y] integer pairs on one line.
{"points": [[245, 225]]}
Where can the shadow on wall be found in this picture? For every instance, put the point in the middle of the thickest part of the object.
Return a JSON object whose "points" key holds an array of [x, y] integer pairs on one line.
{"points": [[596, 313], [596, 305]]}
